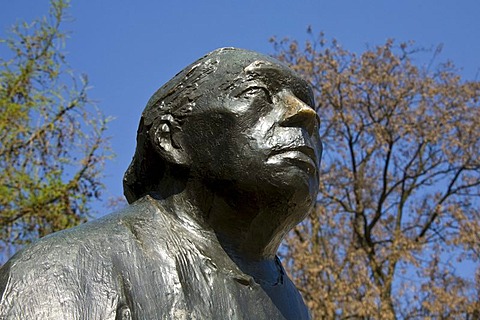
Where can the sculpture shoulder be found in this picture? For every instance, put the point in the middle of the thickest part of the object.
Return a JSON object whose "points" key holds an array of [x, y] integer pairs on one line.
{"points": [[98, 235], [75, 263]]}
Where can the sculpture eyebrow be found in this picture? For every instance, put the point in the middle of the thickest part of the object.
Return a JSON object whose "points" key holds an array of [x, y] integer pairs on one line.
{"points": [[273, 76]]}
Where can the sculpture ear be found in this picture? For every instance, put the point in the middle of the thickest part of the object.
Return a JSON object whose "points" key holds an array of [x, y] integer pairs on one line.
{"points": [[166, 137]]}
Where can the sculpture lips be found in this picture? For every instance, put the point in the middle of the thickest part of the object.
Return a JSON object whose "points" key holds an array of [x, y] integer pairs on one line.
{"points": [[302, 156]]}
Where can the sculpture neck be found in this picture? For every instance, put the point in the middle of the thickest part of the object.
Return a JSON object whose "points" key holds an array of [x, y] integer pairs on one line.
{"points": [[247, 226]]}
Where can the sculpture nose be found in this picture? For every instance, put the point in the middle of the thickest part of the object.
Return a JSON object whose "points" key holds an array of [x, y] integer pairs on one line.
{"points": [[298, 114]]}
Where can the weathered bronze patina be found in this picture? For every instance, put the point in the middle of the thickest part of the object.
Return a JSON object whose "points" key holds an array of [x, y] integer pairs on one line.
{"points": [[226, 163]]}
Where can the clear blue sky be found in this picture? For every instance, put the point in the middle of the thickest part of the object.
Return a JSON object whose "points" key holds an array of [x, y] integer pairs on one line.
{"points": [[130, 48]]}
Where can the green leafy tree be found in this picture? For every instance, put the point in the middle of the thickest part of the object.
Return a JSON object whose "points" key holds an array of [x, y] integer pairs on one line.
{"points": [[398, 207], [52, 138]]}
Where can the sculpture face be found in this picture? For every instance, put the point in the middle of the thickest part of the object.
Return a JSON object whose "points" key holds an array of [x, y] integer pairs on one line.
{"points": [[259, 134]]}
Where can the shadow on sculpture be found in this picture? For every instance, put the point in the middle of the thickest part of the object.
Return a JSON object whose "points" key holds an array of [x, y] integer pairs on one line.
{"points": [[226, 164]]}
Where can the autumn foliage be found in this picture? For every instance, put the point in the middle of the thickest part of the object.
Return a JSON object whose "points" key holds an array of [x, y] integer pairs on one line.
{"points": [[396, 230]]}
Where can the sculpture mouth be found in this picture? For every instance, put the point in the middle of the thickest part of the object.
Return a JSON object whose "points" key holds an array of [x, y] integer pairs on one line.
{"points": [[302, 156]]}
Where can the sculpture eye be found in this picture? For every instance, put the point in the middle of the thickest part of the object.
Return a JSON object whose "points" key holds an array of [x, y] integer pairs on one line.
{"points": [[252, 92]]}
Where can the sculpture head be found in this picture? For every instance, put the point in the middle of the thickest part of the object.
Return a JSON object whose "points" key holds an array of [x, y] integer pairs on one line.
{"points": [[233, 120]]}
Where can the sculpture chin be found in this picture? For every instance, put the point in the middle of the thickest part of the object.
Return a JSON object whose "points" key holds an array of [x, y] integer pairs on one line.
{"points": [[296, 177]]}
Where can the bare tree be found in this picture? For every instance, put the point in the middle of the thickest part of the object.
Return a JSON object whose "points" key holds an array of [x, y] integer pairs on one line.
{"points": [[398, 207]]}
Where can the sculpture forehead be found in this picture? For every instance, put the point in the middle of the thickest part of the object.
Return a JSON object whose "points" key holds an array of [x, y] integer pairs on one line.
{"points": [[236, 66], [234, 63], [222, 70]]}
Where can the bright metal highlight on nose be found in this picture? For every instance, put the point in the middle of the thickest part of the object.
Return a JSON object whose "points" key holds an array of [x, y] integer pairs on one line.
{"points": [[298, 114]]}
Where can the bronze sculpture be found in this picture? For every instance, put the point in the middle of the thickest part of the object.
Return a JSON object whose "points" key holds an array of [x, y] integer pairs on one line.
{"points": [[226, 163]]}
